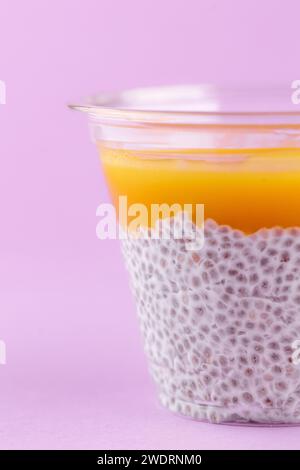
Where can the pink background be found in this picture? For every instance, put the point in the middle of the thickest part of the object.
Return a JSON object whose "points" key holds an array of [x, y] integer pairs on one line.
{"points": [[75, 374]]}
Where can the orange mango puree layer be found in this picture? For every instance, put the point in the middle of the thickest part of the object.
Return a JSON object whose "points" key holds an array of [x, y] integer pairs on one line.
{"points": [[246, 189]]}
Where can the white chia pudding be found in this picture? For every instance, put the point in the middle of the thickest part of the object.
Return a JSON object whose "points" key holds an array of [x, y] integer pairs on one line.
{"points": [[221, 324]]}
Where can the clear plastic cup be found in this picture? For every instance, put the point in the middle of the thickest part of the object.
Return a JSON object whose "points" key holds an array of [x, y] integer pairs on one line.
{"points": [[220, 319]]}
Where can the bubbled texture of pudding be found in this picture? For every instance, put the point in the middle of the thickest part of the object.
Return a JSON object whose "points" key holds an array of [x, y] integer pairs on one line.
{"points": [[219, 322]]}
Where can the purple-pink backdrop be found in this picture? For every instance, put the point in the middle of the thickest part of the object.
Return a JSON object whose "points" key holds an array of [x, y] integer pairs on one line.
{"points": [[75, 374]]}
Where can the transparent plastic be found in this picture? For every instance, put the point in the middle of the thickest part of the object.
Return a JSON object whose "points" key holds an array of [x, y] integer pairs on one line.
{"points": [[221, 322]]}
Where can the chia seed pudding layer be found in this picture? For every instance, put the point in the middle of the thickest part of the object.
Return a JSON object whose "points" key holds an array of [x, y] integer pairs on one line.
{"points": [[221, 324]]}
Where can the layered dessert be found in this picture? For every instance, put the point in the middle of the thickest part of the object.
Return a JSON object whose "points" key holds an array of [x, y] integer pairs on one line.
{"points": [[221, 323]]}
